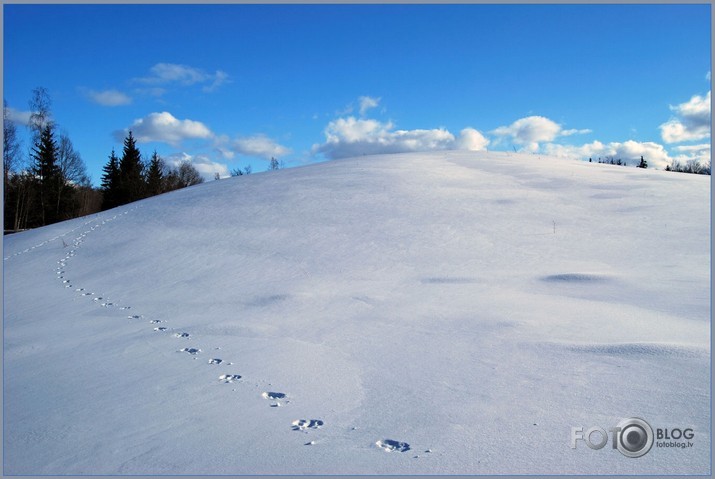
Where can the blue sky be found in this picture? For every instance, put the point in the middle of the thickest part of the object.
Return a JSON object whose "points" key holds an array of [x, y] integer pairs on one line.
{"points": [[226, 86]]}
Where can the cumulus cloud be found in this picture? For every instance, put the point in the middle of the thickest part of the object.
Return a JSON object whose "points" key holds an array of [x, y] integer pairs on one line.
{"points": [[109, 97], [532, 130], [203, 164], [691, 121], [167, 73], [367, 102], [700, 153], [351, 136], [260, 146], [471, 140], [164, 127], [629, 151]]}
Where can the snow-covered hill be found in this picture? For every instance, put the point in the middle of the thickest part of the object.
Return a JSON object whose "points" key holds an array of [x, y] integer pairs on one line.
{"points": [[441, 313]]}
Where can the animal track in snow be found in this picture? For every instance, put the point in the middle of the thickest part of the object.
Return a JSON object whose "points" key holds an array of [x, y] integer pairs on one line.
{"points": [[161, 330], [190, 350], [181, 335], [274, 396], [277, 397], [229, 378], [303, 424], [215, 361], [390, 446]]}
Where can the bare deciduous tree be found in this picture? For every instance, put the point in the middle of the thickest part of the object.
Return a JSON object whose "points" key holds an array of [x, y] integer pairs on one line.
{"points": [[73, 169], [40, 112]]}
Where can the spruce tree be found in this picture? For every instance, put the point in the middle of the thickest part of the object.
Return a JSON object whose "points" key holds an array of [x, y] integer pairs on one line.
{"points": [[643, 163], [131, 182], [110, 183], [48, 177], [155, 175]]}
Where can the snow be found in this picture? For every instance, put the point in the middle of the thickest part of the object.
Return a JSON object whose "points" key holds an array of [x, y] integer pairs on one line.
{"points": [[422, 313]]}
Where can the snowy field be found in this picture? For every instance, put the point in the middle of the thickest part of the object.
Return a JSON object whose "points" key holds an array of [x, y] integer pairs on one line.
{"points": [[439, 313]]}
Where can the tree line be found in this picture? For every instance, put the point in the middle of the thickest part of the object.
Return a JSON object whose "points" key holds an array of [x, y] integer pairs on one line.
{"points": [[129, 179], [49, 182], [692, 166]]}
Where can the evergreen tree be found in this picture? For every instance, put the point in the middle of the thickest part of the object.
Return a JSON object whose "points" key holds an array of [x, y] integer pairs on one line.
{"points": [[643, 163], [131, 182], [110, 183], [48, 177], [155, 175]]}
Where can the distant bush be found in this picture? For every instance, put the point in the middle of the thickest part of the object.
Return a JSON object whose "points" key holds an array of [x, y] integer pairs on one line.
{"points": [[610, 160]]}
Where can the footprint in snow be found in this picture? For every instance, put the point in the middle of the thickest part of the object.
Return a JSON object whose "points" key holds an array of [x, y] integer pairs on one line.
{"points": [[215, 361], [161, 330], [303, 424], [229, 378], [182, 335], [390, 446], [190, 350]]}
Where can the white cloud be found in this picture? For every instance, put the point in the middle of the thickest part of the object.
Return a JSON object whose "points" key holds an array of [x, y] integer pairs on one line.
{"points": [[471, 140], [166, 73], [700, 153], [225, 152], [629, 151], [164, 127], [693, 148], [583, 131], [351, 136], [109, 97], [692, 121], [203, 164], [18, 117], [532, 130], [220, 77], [259, 146], [367, 103]]}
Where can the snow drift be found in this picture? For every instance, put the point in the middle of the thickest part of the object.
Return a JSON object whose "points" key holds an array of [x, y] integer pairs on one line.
{"points": [[440, 313]]}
